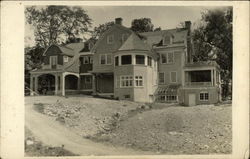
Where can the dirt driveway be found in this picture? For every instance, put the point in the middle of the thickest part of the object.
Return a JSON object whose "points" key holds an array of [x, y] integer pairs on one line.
{"points": [[50, 132]]}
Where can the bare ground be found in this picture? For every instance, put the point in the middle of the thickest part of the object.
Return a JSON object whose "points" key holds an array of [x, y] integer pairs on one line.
{"points": [[156, 128]]}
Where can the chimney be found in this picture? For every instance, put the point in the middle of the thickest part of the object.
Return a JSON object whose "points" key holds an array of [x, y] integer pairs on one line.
{"points": [[188, 25], [118, 21]]}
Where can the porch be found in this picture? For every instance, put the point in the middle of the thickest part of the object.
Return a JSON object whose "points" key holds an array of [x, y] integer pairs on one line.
{"points": [[56, 82], [201, 75]]}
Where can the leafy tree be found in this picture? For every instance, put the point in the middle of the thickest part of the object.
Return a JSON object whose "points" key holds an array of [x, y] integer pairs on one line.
{"points": [[98, 31], [142, 25], [213, 41], [53, 23], [157, 29]]}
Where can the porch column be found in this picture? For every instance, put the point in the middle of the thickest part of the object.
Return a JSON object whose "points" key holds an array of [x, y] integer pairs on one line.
{"points": [[212, 77], [146, 60], [94, 84], [133, 59], [63, 84], [79, 83], [119, 60], [183, 78], [215, 77], [36, 84], [56, 84], [31, 85]]}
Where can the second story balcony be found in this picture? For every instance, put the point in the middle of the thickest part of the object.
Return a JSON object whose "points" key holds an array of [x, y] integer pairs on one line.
{"points": [[198, 84]]}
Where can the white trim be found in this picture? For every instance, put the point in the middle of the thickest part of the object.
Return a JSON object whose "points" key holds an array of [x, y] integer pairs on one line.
{"points": [[138, 80], [85, 57], [163, 78], [168, 57], [204, 92], [108, 39], [87, 82], [121, 80], [171, 76]]}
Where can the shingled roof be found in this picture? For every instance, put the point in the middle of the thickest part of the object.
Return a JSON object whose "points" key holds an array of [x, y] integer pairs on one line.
{"points": [[134, 43]]}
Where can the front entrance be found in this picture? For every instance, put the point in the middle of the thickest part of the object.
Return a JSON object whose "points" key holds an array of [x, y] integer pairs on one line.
{"points": [[191, 100], [46, 84], [105, 83]]}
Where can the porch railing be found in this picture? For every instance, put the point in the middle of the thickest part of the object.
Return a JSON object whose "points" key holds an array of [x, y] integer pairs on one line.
{"points": [[198, 83]]}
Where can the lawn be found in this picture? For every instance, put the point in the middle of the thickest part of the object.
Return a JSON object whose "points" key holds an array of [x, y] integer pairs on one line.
{"points": [[161, 128]]}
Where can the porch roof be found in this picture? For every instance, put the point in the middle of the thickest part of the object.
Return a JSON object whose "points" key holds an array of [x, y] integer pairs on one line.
{"points": [[201, 65]]}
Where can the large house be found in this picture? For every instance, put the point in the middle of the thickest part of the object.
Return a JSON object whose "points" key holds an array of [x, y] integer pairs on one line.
{"points": [[146, 67]]}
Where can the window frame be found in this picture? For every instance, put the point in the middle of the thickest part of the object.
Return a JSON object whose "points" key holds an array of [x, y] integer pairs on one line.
{"points": [[170, 40], [144, 62], [138, 79], [168, 53], [116, 63], [130, 78], [84, 58], [171, 76], [159, 81], [91, 59], [131, 59], [110, 37], [88, 82], [165, 57], [107, 59], [51, 60], [64, 59], [204, 96], [150, 60]]}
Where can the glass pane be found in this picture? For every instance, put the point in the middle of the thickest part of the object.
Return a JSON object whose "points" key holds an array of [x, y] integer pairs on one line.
{"points": [[163, 58], [108, 59], [102, 59], [170, 57], [126, 59], [140, 59], [116, 60]]}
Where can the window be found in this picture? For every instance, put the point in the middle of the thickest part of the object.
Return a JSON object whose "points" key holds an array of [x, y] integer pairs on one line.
{"points": [[53, 61], [140, 59], [85, 60], [116, 60], [88, 79], [163, 58], [105, 59], [149, 61], [204, 96], [127, 96], [138, 81], [124, 37], [65, 59], [161, 78], [91, 59], [168, 98], [170, 57], [126, 81], [167, 40], [110, 39], [90, 45], [108, 59], [173, 77], [126, 60], [167, 58]]}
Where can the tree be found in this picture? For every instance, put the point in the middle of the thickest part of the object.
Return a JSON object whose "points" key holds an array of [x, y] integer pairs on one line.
{"points": [[157, 29], [142, 25], [213, 41], [54, 23], [98, 31]]}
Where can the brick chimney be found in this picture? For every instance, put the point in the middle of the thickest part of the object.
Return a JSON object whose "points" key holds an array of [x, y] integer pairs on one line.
{"points": [[188, 26], [118, 21]]}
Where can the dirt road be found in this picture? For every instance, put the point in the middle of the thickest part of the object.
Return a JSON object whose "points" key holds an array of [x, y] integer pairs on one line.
{"points": [[50, 132]]}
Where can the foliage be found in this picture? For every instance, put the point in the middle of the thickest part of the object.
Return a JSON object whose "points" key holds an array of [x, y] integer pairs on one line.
{"points": [[98, 31], [52, 23], [157, 29], [213, 40], [142, 25], [33, 57]]}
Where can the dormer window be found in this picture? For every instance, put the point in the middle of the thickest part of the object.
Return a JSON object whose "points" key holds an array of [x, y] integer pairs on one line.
{"points": [[65, 59], [124, 37], [110, 39], [167, 40]]}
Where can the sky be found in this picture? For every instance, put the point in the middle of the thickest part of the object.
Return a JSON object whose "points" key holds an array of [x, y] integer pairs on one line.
{"points": [[166, 17]]}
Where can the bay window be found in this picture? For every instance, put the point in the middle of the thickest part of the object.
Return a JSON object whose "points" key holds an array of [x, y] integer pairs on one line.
{"points": [[138, 81], [126, 59], [140, 59]]}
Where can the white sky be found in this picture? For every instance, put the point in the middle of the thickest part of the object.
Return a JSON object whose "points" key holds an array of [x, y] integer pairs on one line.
{"points": [[166, 17]]}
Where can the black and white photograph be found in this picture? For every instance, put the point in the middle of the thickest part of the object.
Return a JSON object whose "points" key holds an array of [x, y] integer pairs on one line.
{"points": [[128, 80]]}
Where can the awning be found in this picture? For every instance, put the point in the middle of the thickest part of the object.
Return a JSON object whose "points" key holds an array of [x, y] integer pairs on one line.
{"points": [[167, 90]]}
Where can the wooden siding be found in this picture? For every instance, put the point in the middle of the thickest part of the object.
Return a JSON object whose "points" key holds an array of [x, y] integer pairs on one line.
{"points": [[105, 48]]}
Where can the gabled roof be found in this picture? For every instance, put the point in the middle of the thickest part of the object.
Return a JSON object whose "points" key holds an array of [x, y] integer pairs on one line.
{"points": [[75, 46], [134, 43], [107, 32], [179, 34]]}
